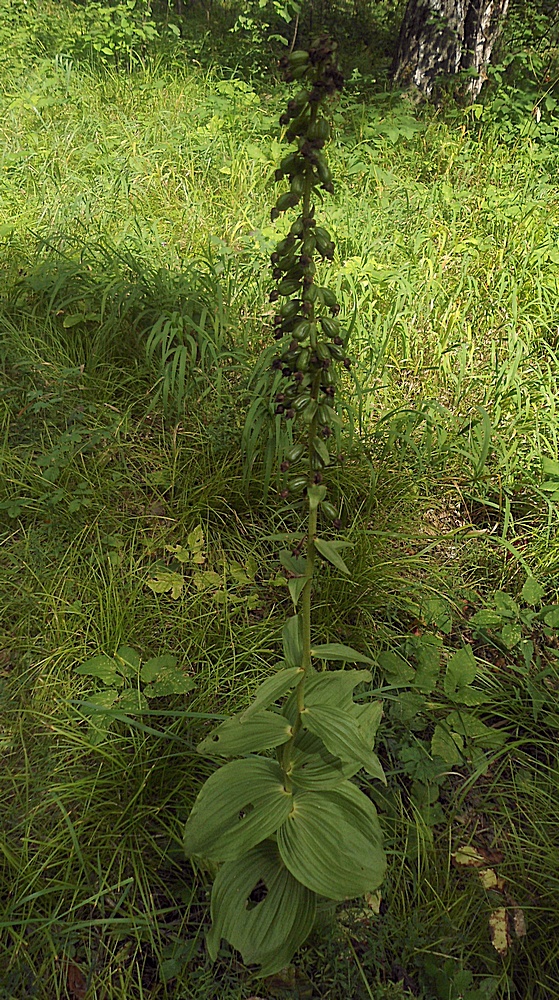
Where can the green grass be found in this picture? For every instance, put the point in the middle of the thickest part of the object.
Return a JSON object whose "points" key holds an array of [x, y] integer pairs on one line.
{"points": [[128, 198]]}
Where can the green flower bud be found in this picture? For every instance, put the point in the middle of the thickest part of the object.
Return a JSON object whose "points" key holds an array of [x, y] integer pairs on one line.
{"points": [[328, 297], [287, 200], [338, 353], [297, 483], [311, 293], [330, 326], [320, 130], [298, 58], [298, 185], [329, 510], [289, 309], [323, 169], [295, 453], [288, 287], [299, 72], [303, 360], [284, 245], [302, 330]]}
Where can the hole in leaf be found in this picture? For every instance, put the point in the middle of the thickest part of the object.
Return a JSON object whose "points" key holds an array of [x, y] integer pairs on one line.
{"points": [[258, 895], [244, 812]]}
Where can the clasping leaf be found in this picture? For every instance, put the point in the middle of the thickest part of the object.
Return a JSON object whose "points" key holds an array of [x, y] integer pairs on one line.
{"points": [[240, 805], [331, 842], [260, 731], [267, 931]]}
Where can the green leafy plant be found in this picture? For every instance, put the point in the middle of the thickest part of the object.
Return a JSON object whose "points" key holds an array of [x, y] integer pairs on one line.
{"points": [[434, 715], [188, 567], [128, 684], [114, 35], [292, 829]]}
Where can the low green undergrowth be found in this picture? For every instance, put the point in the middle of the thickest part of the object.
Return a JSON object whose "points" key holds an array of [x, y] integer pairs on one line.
{"points": [[131, 204]]}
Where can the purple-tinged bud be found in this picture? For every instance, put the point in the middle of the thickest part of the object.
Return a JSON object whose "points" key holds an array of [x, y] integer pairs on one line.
{"points": [[290, 413], [284, 494], [336, 523], [284, 466]]}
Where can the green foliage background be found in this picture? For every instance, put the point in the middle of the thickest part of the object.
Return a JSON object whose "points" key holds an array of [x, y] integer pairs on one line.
{"points": [[134, 229]]}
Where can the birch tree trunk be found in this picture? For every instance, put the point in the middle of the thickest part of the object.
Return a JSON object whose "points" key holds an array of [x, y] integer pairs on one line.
{"points": [[443, 37]]}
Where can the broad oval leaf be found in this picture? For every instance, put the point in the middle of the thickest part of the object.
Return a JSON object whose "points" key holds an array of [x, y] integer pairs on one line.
{"points": [[267, 932], [460, 672], [274, 687], [332, 842], [472, 728], [337, 651], [340, 734], [334, 687], [368, 720], [532, 591], [551, 617], [447, 745], [329, 551], [103, 667], [152, 668], [240, 805], [313, 771], [260, 731], [397, 670], [486, 618], [129, 661], [132, 700], [296, 586], [511, 634], [169, 680], [292, 642]]}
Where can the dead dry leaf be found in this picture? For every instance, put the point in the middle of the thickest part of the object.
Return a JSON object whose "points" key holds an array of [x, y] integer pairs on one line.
{"points": [[373, 901], [468, 857], [499, 930], [490, 880], [518, 921], [76, 982], [475, 857]]}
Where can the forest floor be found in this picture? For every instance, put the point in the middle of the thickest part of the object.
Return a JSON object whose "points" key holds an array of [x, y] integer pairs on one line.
{"points": [[134, 220]]}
